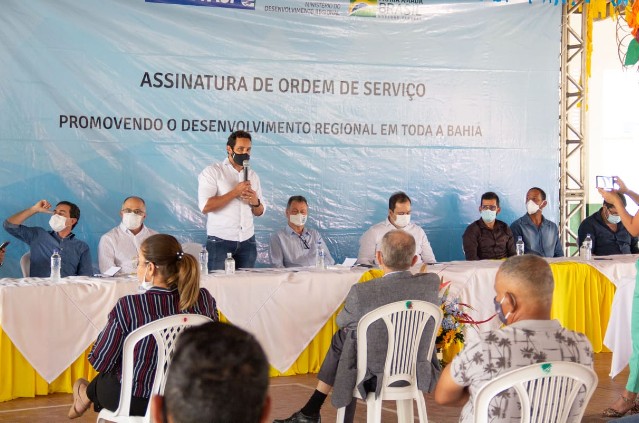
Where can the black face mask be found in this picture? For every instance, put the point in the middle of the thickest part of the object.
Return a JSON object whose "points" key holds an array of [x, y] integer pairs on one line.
{"points": [[239, 158]]}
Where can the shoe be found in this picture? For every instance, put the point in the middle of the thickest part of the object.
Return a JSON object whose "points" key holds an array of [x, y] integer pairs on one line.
{"points": [[611, 412], [79, 407], [300, 418]]}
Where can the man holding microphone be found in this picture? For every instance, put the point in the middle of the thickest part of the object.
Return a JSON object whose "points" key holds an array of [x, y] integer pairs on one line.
{"points": [[230, 194]]}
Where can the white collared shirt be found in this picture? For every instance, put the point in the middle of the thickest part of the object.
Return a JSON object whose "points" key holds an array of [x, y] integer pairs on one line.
{"points": [[119, 247], [371, 241], [233, 222]]}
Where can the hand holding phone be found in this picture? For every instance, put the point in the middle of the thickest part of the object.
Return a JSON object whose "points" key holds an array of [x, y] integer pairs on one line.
{"points": [[606, 182], [3, 246]]}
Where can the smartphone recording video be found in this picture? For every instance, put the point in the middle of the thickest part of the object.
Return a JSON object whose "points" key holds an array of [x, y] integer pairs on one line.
{"points": [[606, 182]]}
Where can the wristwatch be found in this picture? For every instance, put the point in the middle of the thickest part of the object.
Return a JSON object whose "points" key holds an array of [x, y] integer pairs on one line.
{"points": [[259, 203]]}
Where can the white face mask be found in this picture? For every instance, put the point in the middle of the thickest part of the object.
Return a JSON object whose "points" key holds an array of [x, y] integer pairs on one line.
{"points": [[531, 207], [131, 220], [489, 215], [402, 220], [144, 285], [614, 219], [58, 223], [298, 219]]}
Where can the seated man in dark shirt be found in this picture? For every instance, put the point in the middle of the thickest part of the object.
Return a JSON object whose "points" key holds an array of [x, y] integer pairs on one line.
{"points": [[487, 237], [76, 257], [608, 234]]}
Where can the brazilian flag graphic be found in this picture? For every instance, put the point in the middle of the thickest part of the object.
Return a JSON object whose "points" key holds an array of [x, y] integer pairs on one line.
{"points": [[364, 8]]}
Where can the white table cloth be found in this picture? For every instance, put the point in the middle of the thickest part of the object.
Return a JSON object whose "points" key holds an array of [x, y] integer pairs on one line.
{"points": [[52, 324]]}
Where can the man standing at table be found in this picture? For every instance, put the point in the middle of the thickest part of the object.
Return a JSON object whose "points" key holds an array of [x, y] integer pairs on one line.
{"points": [[120, 246], [540, 235], [296, 245], [230, 195], [75, 254], [609, 236], [399, 208], [487, 237], [396, 255]]}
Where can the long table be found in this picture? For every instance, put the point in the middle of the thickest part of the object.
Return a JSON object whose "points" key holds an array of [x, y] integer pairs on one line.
{"points": [[45, 329]]}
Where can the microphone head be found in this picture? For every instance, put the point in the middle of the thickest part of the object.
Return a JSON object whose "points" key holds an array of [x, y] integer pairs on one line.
{"points": [[245, 163]]}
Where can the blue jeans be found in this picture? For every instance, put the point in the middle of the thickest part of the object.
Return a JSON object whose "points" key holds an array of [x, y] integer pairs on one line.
{"points": [[244, 253]]}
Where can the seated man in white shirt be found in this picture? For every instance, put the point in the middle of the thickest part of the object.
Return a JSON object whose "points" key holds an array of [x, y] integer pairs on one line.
{"points": [[296, 245], [399, 208], [119, 247]]}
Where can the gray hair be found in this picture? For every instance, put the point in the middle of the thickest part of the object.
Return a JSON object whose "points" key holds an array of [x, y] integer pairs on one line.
{"points": [[398, 249], [529, 275]]}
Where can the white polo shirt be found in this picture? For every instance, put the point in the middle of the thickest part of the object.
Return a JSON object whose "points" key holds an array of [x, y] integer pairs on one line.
{"points": [[371, 241], [233, 222]]}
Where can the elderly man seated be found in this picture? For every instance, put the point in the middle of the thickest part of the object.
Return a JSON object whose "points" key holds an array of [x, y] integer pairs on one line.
{"points": [[339, 369], [524, 287]]}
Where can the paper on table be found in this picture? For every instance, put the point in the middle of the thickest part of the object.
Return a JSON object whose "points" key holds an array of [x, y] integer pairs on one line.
{"points": [[349, 262]]}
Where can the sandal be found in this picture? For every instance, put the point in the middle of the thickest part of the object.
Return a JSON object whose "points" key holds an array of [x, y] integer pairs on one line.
{"points": [[611, 412], [79, 407]]}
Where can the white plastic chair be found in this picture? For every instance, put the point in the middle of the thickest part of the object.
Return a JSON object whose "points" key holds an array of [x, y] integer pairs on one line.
{"points": [[192, 248], [165, 332], [547, 391], [405, 327], [25, 264]]}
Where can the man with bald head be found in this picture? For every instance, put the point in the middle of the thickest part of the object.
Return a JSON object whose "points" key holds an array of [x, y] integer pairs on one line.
{"points": [[524, 286], [119, 247], [395, 256]]}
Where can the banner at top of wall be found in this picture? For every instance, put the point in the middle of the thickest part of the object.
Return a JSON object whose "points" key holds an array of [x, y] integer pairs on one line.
{"points": [[102, 100]]}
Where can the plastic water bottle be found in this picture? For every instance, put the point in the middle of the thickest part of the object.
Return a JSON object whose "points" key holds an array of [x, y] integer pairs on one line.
{"points": [[229, 264], [320, 256], [520, 246], [204, 260], [587, 247], [56, 265]]}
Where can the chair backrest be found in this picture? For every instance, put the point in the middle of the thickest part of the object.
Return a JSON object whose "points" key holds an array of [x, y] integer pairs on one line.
{"points": [[546, 391], [25, 264], [165, 332], [192, 248], [405, 322]]}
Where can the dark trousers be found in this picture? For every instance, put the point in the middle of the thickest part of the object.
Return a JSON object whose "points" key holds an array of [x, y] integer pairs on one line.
{"points": [[104, 392], [244, 253], [328, 371]]}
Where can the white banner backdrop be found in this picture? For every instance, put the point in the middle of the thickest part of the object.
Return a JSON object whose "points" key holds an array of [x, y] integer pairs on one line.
{"points": [[348, 102]]}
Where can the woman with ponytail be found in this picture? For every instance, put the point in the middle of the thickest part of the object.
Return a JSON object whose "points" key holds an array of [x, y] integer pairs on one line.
{"points": [[170, 279]]}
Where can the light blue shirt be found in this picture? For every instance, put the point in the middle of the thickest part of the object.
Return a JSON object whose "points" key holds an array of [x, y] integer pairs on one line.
{"points": [[288, 249], [542, 241]]}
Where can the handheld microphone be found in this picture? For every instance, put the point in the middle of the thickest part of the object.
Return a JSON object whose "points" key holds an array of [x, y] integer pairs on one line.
{"points": [[246, 166]]}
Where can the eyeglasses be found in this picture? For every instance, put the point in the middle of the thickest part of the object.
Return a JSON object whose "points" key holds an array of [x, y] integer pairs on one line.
{"points": [[306, 246], [136, 211], [491, 208]]}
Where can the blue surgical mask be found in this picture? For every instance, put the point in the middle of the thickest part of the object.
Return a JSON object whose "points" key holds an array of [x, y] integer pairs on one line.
{"points": [[613, 219], [488, 216], [500, 312]]}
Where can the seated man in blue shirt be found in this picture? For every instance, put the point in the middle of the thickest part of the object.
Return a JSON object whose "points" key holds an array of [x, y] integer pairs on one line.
{"points": [[540, 235], [295, 245], [76, 257], [608, 234]]}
